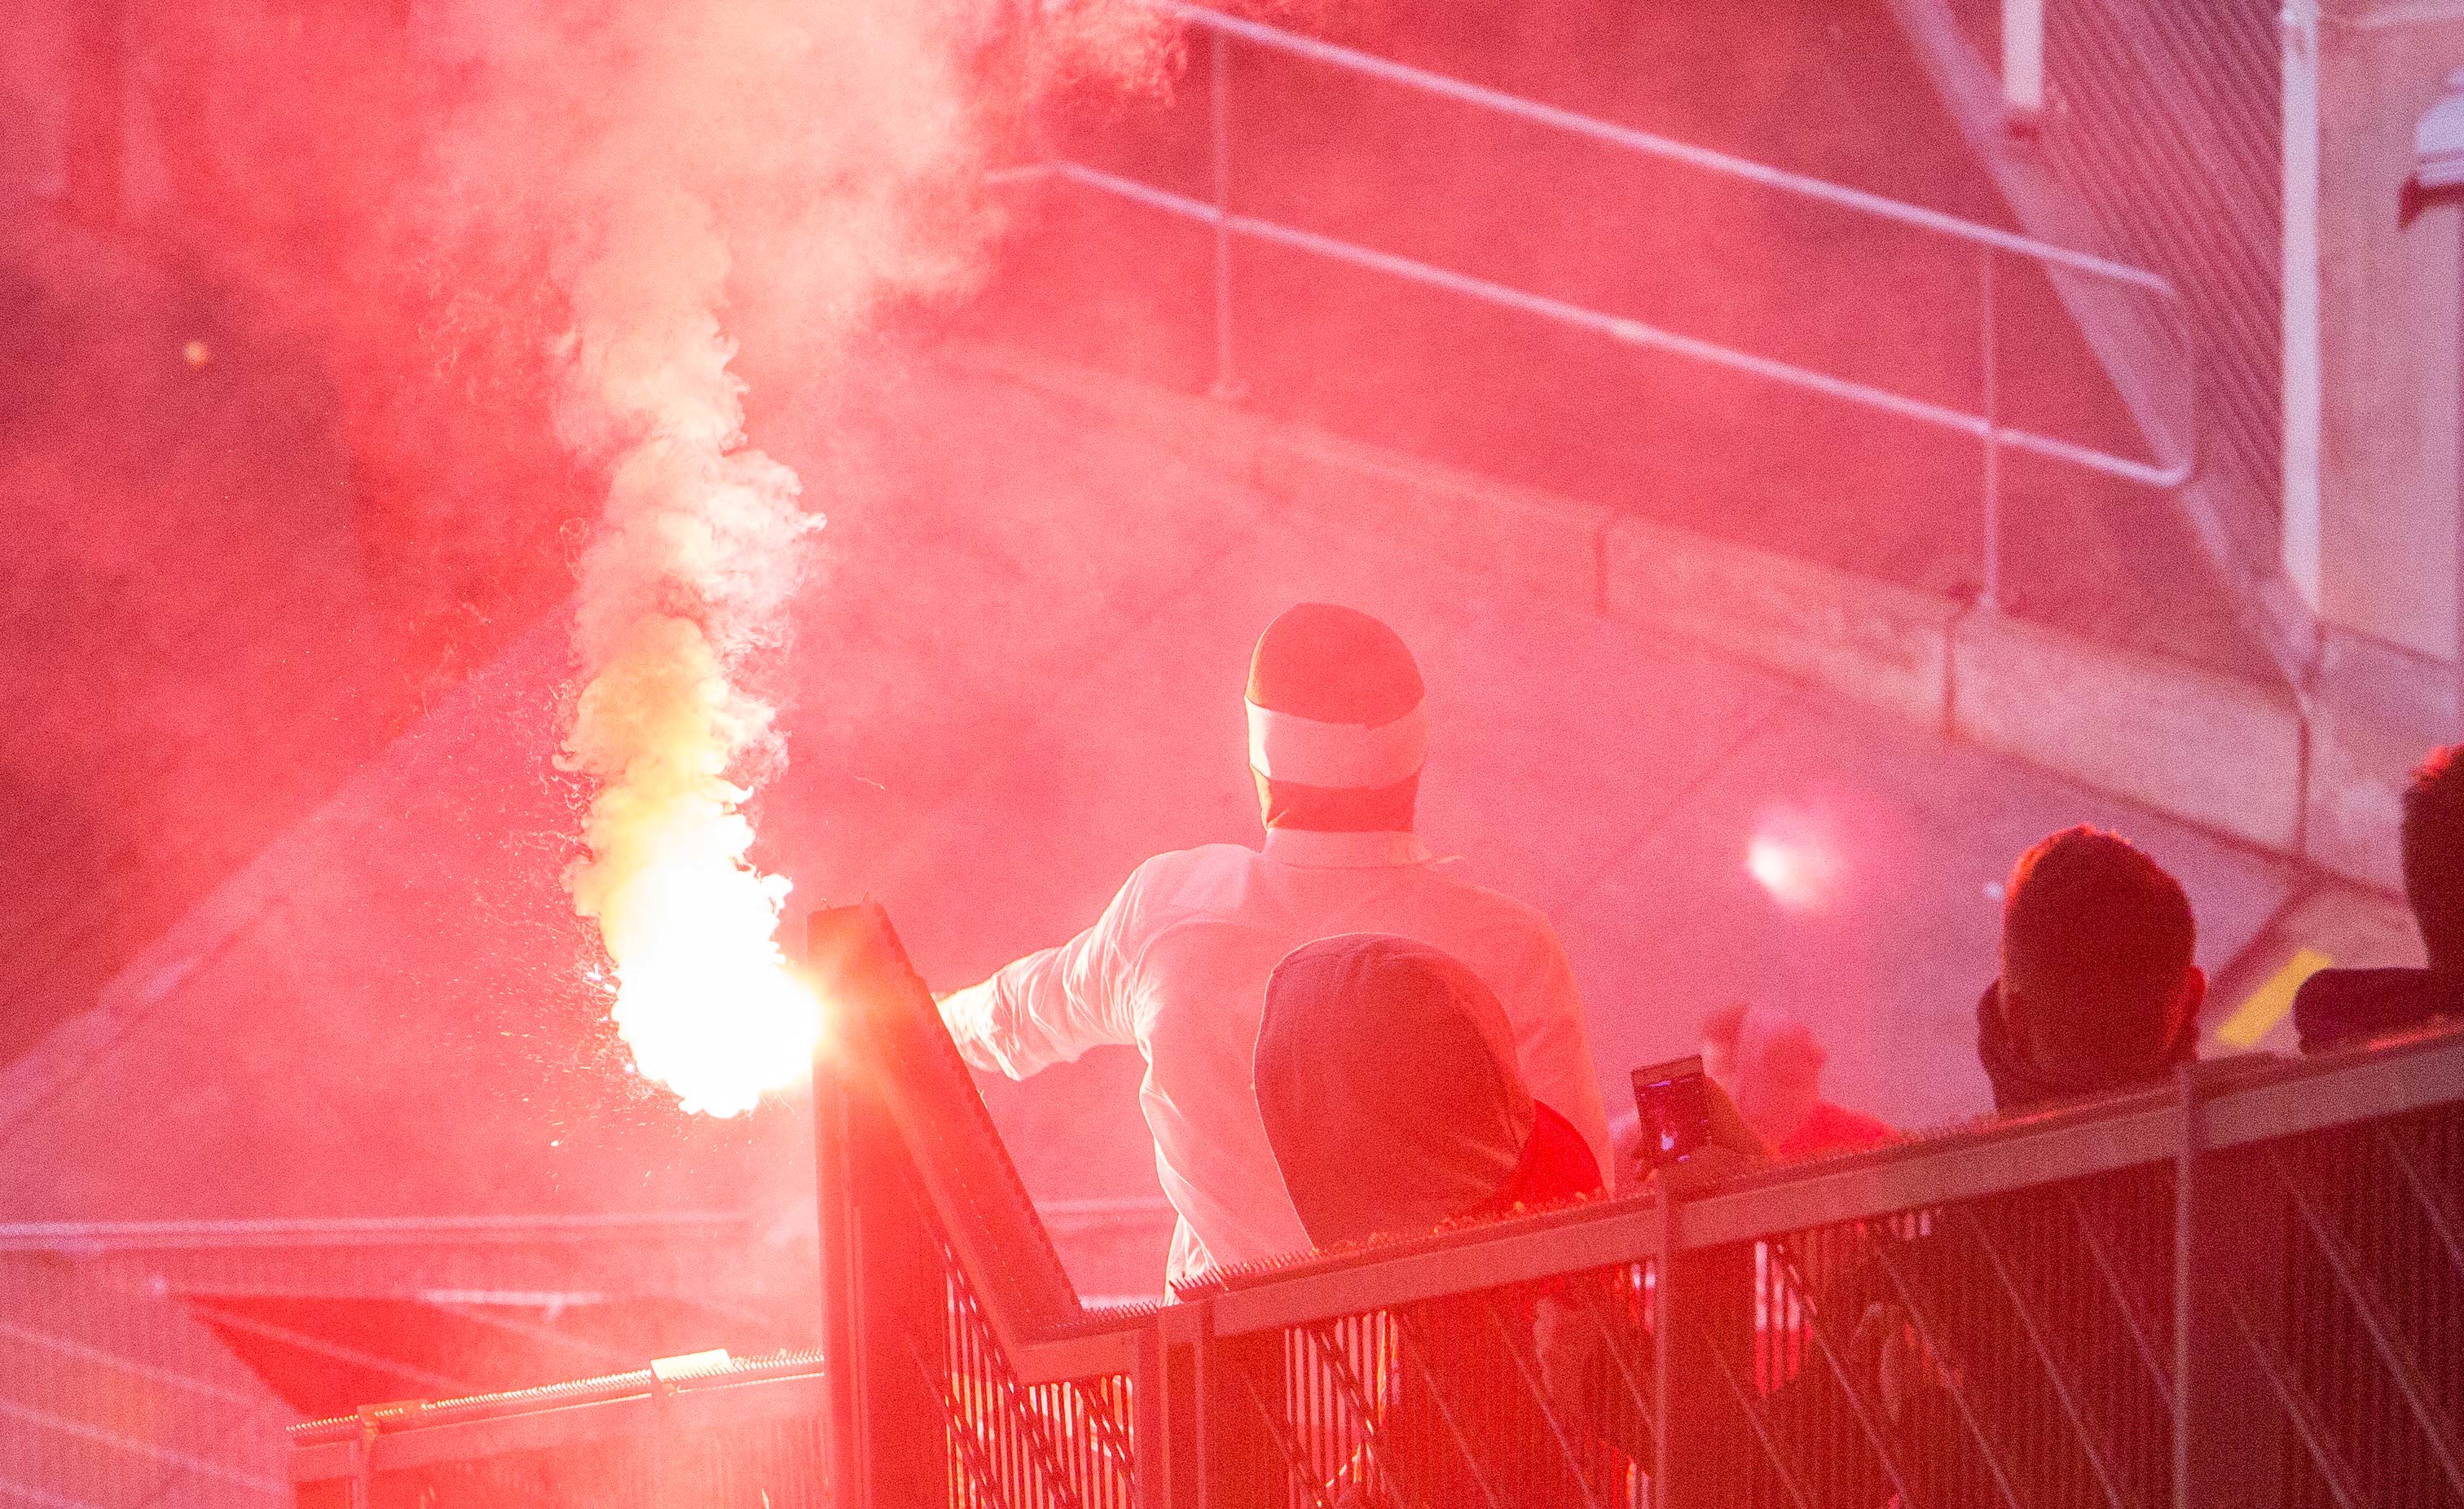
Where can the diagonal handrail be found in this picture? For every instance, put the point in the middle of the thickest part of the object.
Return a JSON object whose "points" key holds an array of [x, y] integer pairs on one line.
{"points": [[1627, 329], [1989, 242], [1537, 1389], [1650, 143]]}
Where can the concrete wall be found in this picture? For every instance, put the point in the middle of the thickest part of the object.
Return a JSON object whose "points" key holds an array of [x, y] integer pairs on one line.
{"points": [[2387, 324], [2228, 754]]}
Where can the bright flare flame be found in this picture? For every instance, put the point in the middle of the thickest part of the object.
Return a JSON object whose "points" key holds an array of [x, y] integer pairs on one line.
{"points": [[844, 143], [703, 995], [690, 578], [1794, 857]]}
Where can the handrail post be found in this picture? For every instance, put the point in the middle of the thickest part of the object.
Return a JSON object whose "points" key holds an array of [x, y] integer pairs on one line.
{"points": [[885, 1317], [2230, 1235], [1227, 382], [1664, 1344], [1702, 1317], [1989, 594]]}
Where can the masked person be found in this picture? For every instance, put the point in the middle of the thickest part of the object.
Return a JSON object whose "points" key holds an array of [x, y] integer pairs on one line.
{"points": [[1178, 962], [1387, 1082]]}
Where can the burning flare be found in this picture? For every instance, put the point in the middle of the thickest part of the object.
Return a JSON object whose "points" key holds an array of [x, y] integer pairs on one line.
{"points": [[817, 162], [692, 573]]}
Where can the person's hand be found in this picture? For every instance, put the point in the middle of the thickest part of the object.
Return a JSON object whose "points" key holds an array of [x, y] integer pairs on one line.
{"points": [[1566, 1340], [1729, 1127], [1633, 1169], [1891, 1361], [1734, 1149]]}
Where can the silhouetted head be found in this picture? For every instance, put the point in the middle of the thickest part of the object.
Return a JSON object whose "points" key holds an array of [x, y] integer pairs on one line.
{"points": [[1769, 1064], [1386, 1078], [1337, 730], [2434, 855], [2098, 991]]}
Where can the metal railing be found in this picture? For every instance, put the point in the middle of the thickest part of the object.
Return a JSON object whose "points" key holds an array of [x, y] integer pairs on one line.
{"points": [[129, 1350], [1984, 424], [650, 1436], [2245, 1287]]}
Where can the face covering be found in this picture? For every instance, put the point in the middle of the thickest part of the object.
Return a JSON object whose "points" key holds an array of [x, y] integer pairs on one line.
{"points": [[2020, 1083]]}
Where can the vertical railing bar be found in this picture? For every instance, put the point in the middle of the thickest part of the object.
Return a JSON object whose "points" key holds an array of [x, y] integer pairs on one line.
{"points": [[1953, 1383], [1338, 1369], [1534, 1381], [971, 1449], [364, 1463], [2026, 1316], [1107, 1429], [2393, 1354], [1593, 1306], [1858, 1404], [2131, 1319], [1294, 1457], [1032, 1441], [1663, 1341], [2186, 1187], [662, 1393], [1990, 595], [1227, 385]]}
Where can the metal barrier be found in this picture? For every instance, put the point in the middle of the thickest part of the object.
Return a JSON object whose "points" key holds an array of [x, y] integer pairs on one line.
{"points": [[1992, 244], [2245, 1287], [706, 1432], [158, 1362]]}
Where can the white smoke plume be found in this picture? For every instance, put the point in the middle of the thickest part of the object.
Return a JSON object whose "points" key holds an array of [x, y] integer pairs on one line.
{"points": [[802, 162]]}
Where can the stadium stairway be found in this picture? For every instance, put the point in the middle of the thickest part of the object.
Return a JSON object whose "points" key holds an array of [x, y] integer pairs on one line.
{"points": [[1826, 89], [1830, 542]]}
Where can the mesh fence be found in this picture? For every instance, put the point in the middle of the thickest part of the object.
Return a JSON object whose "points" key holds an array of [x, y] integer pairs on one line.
{"points": [[2014, 1348], [2245, 1288], [2024, 1346], [2360, 1345], [1528, 1390], [1013, 1445]]}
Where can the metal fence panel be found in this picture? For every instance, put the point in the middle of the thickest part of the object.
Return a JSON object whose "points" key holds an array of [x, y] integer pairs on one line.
{"points": [[2014, 1350], [2244, 1289]]}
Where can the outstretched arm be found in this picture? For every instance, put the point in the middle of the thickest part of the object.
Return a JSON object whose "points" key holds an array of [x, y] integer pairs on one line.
{"points": [[1053, 1005]]}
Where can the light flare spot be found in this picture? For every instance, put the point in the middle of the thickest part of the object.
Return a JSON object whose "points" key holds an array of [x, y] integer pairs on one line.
{"points": [[1794, 862]]}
